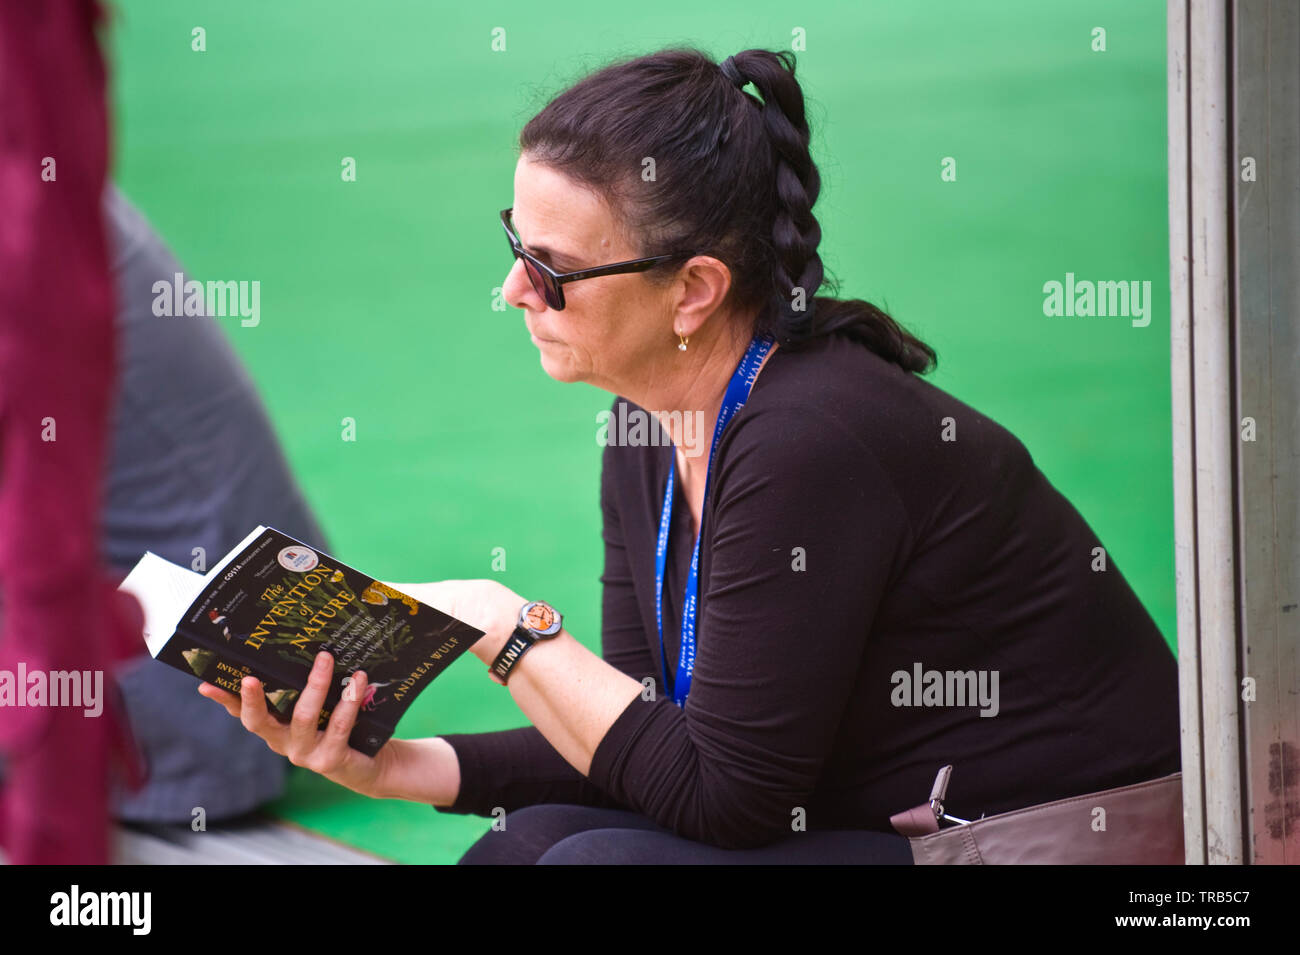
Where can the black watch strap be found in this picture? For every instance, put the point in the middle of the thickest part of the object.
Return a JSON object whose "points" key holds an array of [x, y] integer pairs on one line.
{"points": [[515, 648]]}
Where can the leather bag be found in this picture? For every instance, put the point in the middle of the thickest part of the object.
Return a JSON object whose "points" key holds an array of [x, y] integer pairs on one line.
{"points": [[1139, 824]]}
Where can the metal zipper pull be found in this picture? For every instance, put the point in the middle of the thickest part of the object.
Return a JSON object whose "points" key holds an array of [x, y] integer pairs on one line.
{"points": [[937, 794]]}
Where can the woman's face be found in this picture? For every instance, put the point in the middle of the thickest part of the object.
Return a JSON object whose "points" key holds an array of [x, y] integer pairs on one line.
{"points": [[615, 330]]}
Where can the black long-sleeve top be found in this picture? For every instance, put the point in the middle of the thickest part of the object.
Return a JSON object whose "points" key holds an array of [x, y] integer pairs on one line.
{"points": [[861, 524]]}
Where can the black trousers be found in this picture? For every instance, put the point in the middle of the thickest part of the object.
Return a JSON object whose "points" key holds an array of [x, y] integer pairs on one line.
{"points": [[559, 834]]}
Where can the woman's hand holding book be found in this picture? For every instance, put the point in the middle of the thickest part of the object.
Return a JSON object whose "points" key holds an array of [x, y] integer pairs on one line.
{"points": [[409, 769]]}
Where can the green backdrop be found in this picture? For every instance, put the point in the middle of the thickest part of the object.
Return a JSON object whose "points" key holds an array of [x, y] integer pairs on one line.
{"points": [[376, 294]]}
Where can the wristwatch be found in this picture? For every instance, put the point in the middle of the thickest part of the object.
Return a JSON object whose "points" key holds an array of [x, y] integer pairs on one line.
{"points": [[537, 621]]}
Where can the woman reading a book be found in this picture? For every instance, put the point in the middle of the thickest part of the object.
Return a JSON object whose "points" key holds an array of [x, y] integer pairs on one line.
{"points": [[852, 580]]}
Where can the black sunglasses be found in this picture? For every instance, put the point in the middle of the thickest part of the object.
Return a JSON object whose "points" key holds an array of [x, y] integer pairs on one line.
{"points": [[550, 283]]}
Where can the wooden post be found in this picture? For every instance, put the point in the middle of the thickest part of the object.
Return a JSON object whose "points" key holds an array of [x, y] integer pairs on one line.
{"points": [[1265, 177], [1234, 231]]}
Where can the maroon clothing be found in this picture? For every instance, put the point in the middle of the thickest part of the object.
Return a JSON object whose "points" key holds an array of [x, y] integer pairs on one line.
{"points": [[860, 522], [57, 355]]}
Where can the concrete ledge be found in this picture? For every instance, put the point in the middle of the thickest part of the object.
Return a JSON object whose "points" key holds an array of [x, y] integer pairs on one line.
{"points": [[257, 839]]}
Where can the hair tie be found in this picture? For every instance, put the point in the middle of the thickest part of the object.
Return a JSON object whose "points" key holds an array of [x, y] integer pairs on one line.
{"points": [[729, 70]]}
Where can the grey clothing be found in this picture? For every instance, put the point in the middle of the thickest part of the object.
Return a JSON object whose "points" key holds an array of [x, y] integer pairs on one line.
{"points": [[194, 462]]}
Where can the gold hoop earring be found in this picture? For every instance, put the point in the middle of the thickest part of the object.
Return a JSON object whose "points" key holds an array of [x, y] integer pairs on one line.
{"points": [[682, 344]]}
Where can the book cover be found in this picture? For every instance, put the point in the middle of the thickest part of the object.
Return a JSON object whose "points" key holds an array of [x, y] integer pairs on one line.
{"points": [[271, 604]]}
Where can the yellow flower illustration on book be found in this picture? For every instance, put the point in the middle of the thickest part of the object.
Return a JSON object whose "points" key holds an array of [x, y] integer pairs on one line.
{"points": [[378, 594]]}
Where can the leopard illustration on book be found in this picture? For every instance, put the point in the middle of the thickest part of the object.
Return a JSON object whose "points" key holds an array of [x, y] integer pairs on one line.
{"points": [[378, 594]]}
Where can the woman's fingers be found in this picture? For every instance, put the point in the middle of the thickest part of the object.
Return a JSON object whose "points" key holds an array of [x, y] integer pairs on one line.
{"points": [[224, 697], [333, 746], [253, 714], [300, 741], [303, 726]]}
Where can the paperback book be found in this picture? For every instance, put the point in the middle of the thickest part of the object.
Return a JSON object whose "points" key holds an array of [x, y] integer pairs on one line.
{"points": [[270, 605]]}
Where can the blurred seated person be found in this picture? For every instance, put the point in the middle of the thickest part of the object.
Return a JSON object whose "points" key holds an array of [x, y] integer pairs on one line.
{"points": [[194, 463]]}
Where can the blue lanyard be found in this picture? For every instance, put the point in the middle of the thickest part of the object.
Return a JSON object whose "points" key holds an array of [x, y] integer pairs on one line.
{"points": [[742, 380]]}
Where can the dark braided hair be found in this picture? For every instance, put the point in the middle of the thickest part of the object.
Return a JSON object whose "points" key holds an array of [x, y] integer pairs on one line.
{"points": [[732, 177]]}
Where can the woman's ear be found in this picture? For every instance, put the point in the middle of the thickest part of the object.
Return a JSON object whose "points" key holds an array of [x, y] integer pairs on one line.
{"points": [[703, 284]]}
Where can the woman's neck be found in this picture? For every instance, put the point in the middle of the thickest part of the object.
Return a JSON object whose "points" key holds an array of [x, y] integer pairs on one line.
{"points": [[688, 400]]}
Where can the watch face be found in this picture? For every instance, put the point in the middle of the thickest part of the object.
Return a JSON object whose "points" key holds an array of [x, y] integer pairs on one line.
{"points": [[541, 618]]}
